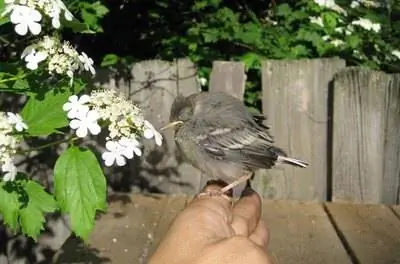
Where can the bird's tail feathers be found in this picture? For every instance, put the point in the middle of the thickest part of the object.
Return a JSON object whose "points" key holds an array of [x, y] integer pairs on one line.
{"points": [[292, 161]]}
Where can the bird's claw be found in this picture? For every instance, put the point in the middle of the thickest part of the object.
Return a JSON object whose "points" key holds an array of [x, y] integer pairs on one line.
{"points": [[214, 193]]}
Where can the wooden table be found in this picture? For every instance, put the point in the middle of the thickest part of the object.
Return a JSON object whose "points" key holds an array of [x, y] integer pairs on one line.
{"points": [[299, 232]]}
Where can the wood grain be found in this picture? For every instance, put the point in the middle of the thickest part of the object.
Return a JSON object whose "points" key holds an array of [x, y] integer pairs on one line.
{"points": [[295, 101], [391, 174], [366, 161], [372, 232], [228, 77], [301, 233], [396, 209]]}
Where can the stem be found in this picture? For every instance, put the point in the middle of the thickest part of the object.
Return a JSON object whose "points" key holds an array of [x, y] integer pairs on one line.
{"points": [[70, 139], [14, 78]]}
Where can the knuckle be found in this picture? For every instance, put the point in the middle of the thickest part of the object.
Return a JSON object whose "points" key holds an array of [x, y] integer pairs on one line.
{"points": [[240, 225]]}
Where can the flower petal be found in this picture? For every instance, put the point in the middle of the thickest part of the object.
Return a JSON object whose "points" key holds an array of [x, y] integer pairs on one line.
{"points": [[21, 29], [120, 160], [82, 131], [148, 133], [94, 129], [35, 28], [84, 99], [108, 158], [75, 123]]}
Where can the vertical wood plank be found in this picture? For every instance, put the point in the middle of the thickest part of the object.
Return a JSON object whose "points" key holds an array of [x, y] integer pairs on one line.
{"points": [[295, 101], [391, 173], [228, 77], [365, 166]]}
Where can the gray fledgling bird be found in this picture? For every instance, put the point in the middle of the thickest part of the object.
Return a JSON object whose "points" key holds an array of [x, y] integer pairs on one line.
{"points": [[218, 135]]}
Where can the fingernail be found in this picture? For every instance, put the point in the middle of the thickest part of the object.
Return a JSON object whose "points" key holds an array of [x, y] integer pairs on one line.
{"points": [[247, 191]]}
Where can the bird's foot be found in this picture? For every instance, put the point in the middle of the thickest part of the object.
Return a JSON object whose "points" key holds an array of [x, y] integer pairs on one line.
{"points": [[213, 193], [210, 191]]}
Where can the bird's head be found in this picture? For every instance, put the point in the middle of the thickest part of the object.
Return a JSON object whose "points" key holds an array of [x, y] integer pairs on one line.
{"points": [[181, 111]]}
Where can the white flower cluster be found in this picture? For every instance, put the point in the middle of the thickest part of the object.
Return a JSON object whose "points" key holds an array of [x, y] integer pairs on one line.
{"points": [[330, 4], [8, 143], [26, 14], [124, 120], [367, 3], [61, 57], [346, 29], [367, 24]]}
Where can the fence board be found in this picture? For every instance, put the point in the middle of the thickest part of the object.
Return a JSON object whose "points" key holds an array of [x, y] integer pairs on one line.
{"points": [[228, 77], [366, 162], [295, 101], [391, 173]]}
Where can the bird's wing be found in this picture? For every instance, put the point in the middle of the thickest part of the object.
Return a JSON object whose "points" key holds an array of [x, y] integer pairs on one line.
{"points": [[237, 141]]}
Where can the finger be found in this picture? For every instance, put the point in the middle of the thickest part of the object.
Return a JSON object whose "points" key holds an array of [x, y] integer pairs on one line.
{"points": [[246, 212], [218, 206], [260, 235]]}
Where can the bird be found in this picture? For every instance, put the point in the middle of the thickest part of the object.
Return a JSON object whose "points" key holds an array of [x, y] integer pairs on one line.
{"points": [[218, 135]]}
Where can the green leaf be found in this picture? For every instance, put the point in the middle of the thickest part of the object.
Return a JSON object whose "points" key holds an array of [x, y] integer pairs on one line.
{"points": [[9, 204], [251, 60], [283, 10], [109, 59], [353, 41], [32, 216], [44, 115], [100, 9], [78, 27], [330, 20], [80, 188], [21, 84]]}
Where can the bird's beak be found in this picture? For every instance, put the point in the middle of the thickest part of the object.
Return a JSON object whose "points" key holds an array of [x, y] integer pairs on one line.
{"points": [[172, 124]]}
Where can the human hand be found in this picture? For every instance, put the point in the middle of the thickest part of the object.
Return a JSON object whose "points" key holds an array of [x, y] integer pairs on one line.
{"points": [[212, 230]]}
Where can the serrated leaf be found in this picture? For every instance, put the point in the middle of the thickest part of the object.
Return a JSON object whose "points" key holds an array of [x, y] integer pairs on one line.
{"points": [[100, 9], [44, 115], [283, 10], [330, 20], [80, 188], [9, 205], [251, 60], [32, 216], [109, 59]]}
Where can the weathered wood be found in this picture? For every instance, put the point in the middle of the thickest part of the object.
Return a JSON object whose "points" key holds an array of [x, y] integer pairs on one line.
{"points": [[396, 209], [391, 174], [301, 233], [139, 218], [366, 143], [295, 101], [372, 232], [174, 205], [153, 85], [228, 77]]}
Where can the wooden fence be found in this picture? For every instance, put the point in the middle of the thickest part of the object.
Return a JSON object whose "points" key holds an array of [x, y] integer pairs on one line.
{"points": [[345, 121]]}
